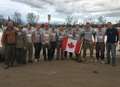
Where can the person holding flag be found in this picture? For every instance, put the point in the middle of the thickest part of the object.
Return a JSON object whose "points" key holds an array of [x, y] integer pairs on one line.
{"points": [[72, 43], [61, 34], [78, 37], [70, 36]]}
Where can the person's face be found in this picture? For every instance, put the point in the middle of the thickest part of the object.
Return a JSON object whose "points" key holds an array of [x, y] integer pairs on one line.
{"points": [[29, 27], [77, 29], [46, 28], [20, 28], [10, 24], [99, 28], [37, 27], [61, 28], [87, 25], [109, 25], [53, 30]]}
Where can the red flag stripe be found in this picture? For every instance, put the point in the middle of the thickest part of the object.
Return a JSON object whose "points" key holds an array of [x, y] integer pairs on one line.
{"points": [[77, 48], [64, 43]]}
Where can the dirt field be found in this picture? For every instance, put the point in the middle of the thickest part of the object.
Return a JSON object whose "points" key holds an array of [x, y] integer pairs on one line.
{"points": [[61, 74]]}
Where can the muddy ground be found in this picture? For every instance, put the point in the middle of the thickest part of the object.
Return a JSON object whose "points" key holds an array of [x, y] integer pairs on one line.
{"points": [[66, 73]]}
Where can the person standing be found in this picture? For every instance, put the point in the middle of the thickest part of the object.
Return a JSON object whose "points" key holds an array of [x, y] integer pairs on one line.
{"points": [[61, 34], [20, 47], [78, 37], [100, 44], [46, 42], [70, 35], [88, 40], [37, 42], [29, 43], [9, 41], [53, 39], [111, 43]]}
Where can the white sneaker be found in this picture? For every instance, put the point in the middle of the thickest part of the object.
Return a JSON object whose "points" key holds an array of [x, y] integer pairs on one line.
{"points": [[102, 62], [35, 60], [96, 61]]}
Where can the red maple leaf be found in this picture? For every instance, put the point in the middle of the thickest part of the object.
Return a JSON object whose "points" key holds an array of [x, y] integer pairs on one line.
{"points": [[71, 45]]}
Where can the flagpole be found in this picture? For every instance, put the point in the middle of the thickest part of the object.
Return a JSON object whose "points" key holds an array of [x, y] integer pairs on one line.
{"points": [[49, 18]]}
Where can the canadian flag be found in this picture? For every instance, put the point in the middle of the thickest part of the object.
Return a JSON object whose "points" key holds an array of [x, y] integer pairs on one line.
{"points": [[71, 45]]}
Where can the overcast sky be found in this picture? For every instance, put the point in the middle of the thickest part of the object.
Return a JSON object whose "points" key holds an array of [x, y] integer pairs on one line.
{"points": [[59, 9]]}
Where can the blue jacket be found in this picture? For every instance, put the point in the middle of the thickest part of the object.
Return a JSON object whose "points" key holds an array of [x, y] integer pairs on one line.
{"points": [[112, 35]]}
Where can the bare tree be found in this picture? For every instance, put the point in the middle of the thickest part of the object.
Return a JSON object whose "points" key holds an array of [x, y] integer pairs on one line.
{"points": [[17, 17], [69, 20], [31, 18], [101, 19], [72, 20], [75, 20], [1, 20]]}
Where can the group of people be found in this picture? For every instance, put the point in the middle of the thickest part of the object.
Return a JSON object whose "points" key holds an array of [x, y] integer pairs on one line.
{"points": [[29, 44]]}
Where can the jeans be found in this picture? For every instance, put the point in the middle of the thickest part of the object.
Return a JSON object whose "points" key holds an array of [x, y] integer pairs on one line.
{"points": [[37, 47], [46, 51], [111, 53], [52, 50]]}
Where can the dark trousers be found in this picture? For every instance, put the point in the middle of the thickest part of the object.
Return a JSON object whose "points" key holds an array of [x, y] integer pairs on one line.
{"points": [[20, 55], [2, 55], [100, 50], [37, 47], [46, 51], [10, 54], [66, 53], [52, 50], [71, 55]]}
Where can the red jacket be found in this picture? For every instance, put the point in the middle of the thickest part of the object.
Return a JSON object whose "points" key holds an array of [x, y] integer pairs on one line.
{"points": [[9, 37]]}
